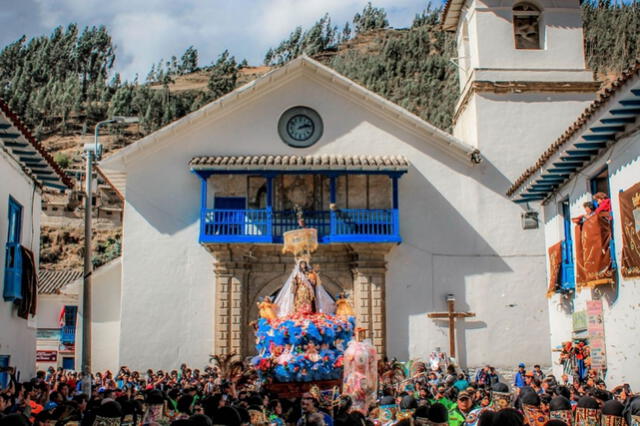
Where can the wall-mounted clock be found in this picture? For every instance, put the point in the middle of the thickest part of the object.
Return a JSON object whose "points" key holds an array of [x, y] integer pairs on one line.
{"points": [[300, 127]]}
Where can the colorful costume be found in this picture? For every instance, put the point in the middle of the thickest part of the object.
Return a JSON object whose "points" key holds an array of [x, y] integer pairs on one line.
{"points": [[534, 416], [343, 306], [267, 310], [560, 409], [612, 413], [587, 412]]}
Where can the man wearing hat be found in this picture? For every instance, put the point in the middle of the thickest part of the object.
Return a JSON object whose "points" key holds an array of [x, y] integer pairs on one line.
{"points": [[533, 414], [408, 406], [632, 410], [109, 414], [560, 409], [441, 397], [587, 412], [387, 410], [459, 412], [500, 396], [436, 415], [612, 413]]}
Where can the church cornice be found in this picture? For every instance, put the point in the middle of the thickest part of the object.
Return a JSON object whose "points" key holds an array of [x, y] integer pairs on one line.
{"points": [[503, 87]]}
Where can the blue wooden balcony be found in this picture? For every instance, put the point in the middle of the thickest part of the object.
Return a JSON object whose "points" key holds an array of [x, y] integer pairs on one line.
{"points": [[68, 334], [268, 226], [263, 212]]}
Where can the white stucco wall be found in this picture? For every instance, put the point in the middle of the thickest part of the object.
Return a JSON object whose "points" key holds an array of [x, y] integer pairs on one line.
{"points": [[17, 335], [561, 32], [515, 129], [105, 316], [620, 304], [461, 236], [50, 307]]}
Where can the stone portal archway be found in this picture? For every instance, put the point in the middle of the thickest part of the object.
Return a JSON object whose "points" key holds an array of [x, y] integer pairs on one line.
{"points": [[245, 272]]}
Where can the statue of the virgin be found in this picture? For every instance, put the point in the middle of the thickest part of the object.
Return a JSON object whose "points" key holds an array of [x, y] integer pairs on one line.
{"points": [[303, 293]]}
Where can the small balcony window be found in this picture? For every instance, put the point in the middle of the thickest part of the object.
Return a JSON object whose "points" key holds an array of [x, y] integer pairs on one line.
{"points": [[526, 26]]}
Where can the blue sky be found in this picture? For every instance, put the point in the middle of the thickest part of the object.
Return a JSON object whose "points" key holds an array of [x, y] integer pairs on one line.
{"points": [[146, 30]]}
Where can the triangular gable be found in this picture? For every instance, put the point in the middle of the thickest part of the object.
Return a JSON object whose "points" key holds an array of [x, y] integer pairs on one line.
{"points": [[115, 166]]}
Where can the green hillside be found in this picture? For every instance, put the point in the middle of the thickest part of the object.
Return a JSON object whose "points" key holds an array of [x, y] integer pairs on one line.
{"points": [[63, 83]]}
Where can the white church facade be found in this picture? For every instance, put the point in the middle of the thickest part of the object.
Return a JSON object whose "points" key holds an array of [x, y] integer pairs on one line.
{"points": [[406, 213]]}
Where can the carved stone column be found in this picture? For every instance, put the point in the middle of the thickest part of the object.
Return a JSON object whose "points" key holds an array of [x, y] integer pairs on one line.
{"points": [[369, 269], [230, 304]]}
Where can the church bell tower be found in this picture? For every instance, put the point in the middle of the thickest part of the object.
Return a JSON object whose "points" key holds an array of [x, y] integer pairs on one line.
{"points": [[522, 72]]}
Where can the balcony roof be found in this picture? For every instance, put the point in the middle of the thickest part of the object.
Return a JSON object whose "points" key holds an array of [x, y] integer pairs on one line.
{"points": [[354, 163], [613, 115]]}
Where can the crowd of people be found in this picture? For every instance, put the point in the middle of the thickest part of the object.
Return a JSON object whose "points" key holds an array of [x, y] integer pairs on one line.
{"points": [[230, 393]]}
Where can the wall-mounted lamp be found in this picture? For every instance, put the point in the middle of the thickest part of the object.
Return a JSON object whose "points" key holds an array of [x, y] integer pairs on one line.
{"points": [[530, 220]]}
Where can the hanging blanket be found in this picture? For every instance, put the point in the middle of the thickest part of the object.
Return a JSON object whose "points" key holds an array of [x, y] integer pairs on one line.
{"points": [[593, 257], [27, 305], [630, 215], [555, 264]]}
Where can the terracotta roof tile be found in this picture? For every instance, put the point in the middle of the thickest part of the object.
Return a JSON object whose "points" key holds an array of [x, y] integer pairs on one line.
{"points": [[50, 281], [17, 122], [297, 162]]}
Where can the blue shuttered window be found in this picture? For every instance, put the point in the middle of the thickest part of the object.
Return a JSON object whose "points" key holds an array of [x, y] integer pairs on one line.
{"points": [[567, 272], [13, 256]]}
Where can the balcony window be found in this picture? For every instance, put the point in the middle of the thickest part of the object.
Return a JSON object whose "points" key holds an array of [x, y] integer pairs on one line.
{"points": [[68, 330], [351, 203]]}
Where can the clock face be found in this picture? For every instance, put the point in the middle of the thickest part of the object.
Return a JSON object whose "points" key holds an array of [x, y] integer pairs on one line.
{"points": [[300, 127]]}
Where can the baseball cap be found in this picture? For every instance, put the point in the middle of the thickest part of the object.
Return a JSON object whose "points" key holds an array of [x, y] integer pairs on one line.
{"points": [[463, 395], [521, 365], [50, 405]]}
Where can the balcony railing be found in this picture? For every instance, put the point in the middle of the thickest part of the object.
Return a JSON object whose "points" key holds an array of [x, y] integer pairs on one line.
{"points": [[267, 226], [68, 334]]}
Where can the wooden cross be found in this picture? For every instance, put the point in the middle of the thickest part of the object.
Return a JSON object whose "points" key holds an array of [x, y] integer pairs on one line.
{"points": [[451, 315]]}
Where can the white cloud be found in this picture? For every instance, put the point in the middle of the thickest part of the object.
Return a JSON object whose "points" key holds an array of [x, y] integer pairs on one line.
{"points": [[147, 30]]}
